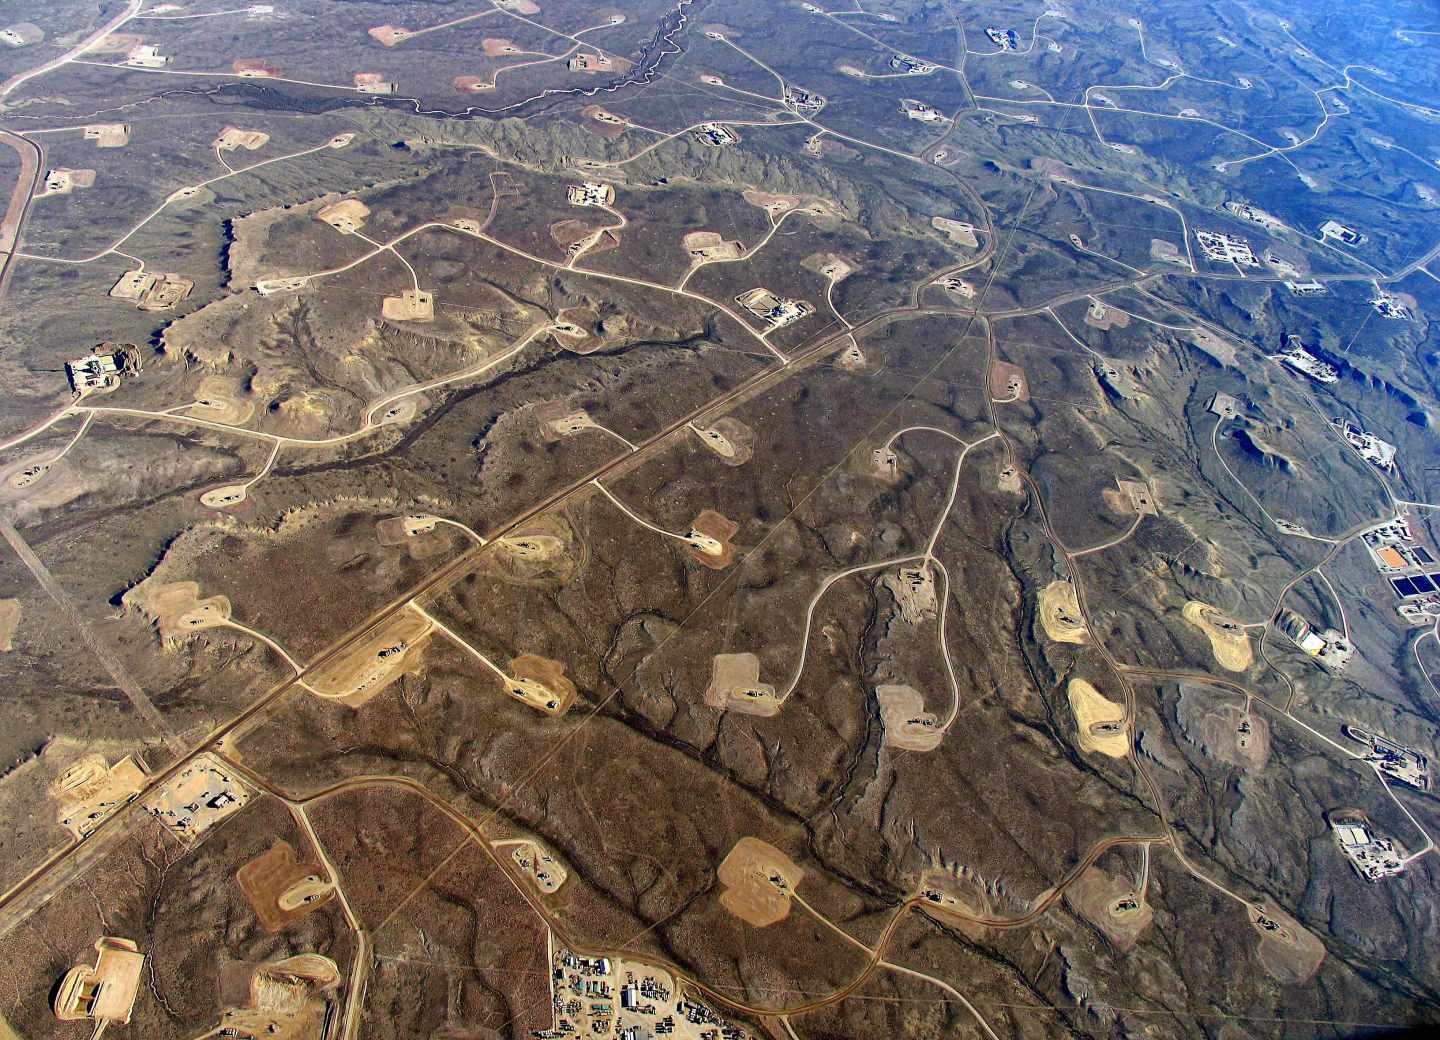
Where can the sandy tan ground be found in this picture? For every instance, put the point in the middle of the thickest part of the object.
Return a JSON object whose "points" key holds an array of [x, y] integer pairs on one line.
{"points": [[234, 137], [571, 231], [90, 789], [776, 203], [345, 215], [176, 609], [1289, 952], [287, 999], [9, 621], [541, 683], [1099, 722], [1007, 479], [1060, 613], [417, 532], [735, 686], [541, 867], [201, 795], [1100, 316], [730, 439], [494, 46], [957, 231], [556, 420], [722, 529], [254, 67], [851, 359], [473, 84], [829, 265], [1008, 382], [913, 586], [711, 245], [389, 35], [165, 292], [1235, 738], [410, 305], [1228, 641], [108, 135], [1138, 494], [758, 881], [221, 400], [373, 662], [281, 889], [1112, 905], [1221, 350], [948, 893], [542, 553], [603, 122], [907, 724]]}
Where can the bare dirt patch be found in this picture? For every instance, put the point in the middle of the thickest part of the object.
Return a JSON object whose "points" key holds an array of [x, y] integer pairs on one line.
{"points": [[1221, 350], [711, 245], [473, 84], [494, 46], [544, 553], [775, 203], [556, 420], [1099, 722], [374, 661], [419, 533], [913, 586], [960, 897], [91, 789], [1228, 641], [1111, 904], [716, 528], [728, 438], [829, 265], [1060, 613], [571, 232], [389, 35], [1137, 497], [233, 137], [258, 67], [281, 889], [603, 122], [541, 683], [758, 882], [410, 305], [9, 621], [108, 135], [1231, 736], [1008, 382], [347, 215], [957, 231], [221, 400], [1167, 252], [176, 609], [851, 359], [735, 686], [1101, 316], [1008, 480], [538, 865], [907, 724], [1287, 951]]}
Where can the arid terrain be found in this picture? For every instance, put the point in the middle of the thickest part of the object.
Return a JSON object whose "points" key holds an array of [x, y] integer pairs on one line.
{"points": [[719, 521]]}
